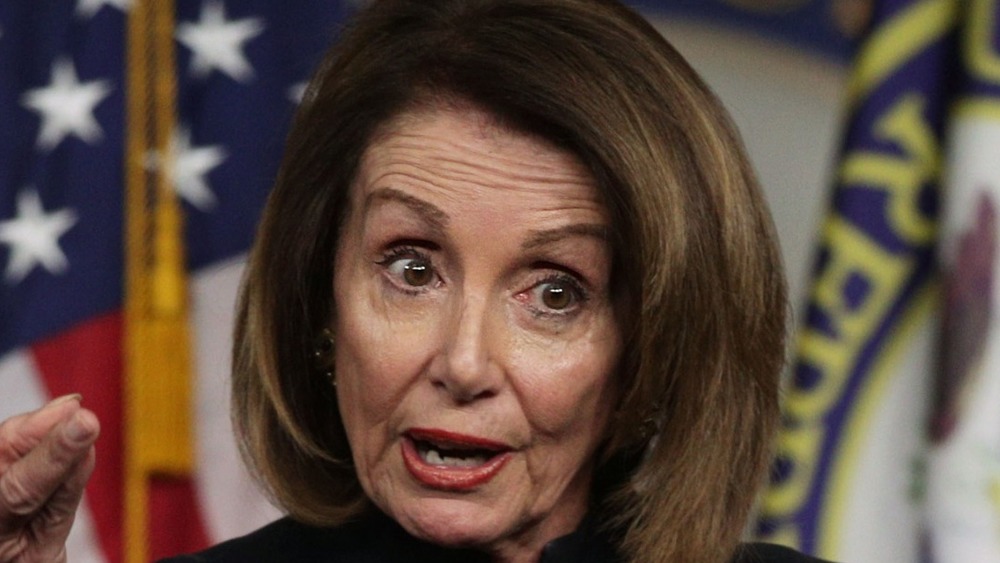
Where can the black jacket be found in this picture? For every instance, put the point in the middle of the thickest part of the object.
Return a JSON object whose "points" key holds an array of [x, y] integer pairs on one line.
{"points": [[378, 539]]}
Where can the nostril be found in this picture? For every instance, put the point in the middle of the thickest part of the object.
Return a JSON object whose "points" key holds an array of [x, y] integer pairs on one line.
{"points": [[466, 388]]}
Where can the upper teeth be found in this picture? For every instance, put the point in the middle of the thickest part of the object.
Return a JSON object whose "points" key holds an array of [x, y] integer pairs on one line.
{"points": [[434, 457]]}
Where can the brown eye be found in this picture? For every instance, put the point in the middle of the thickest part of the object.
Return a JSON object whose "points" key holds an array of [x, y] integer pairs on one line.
{"points": [[409, 268], [556, 296], [417, 273]]}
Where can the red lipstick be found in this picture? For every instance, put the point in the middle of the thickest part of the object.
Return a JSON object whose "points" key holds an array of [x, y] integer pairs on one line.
{"points": [[450, 461]]}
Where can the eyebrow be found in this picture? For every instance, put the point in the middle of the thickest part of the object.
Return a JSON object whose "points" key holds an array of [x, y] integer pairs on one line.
{"points": [[438, 219], [430, 213], [542, 238]]}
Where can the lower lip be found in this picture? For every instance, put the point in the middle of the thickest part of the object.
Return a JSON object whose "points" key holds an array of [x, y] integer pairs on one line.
{"points": [[450, 478]]}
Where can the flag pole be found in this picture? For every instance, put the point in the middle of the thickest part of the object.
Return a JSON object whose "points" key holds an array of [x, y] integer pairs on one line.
{"points": [[158, 428]]}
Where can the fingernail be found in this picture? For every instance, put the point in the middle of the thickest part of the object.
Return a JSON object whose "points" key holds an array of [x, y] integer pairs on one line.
{"points": [[76, 430], [65, 398]]}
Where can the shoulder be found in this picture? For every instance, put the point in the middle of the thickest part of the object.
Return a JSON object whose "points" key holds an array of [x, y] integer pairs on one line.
{"points": [[771, 553], [282, 540], [373, 538]]}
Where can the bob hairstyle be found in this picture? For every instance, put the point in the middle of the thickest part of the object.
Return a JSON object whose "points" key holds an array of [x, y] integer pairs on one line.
{"points": [[696, 274]]}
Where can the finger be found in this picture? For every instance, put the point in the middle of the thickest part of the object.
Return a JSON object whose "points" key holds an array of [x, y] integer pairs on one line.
{"points": [[29, 483], [51, 526], [20, 434]]}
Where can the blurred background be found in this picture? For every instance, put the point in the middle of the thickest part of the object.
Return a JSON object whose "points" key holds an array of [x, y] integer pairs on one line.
{"points": [[138, 141]]}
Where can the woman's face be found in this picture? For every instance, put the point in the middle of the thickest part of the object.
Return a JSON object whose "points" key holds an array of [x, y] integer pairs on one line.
{"points": [[476, 340]]}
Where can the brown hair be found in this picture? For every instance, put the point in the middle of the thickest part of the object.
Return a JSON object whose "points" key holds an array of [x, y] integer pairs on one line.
{"points": [[697, 269]]}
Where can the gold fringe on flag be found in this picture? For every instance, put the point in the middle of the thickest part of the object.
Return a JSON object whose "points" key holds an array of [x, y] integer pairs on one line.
{"points": [[157, 396]]}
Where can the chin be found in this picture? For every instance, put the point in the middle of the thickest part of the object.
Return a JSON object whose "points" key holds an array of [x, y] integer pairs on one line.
{"points": [[455, 522]]}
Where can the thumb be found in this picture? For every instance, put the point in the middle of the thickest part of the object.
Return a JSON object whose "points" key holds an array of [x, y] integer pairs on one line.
{"points": [[50, 479]]}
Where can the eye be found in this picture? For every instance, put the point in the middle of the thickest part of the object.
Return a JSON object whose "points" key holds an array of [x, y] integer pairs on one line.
{"points": [[415, 271], [409, 267], [558, 294]]}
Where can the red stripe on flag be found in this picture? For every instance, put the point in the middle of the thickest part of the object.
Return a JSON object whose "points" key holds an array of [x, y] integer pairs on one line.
{"points": [[88, 360], [175, 524]]}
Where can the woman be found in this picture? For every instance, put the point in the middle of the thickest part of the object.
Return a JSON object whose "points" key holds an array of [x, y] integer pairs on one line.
{"points": [[515, 296]]}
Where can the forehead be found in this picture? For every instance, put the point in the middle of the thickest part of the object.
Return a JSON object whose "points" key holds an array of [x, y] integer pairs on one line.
{"points": [[464, 151]]}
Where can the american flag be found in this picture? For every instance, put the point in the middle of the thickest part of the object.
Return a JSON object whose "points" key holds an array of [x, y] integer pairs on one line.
{"points": [[241, 67]]}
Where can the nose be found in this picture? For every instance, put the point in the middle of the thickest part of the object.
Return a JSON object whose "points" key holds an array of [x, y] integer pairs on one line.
{"points": [[468, 369]]}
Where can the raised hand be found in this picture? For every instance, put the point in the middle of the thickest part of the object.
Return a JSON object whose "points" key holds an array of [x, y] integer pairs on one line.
{"points": [[46, 457]]}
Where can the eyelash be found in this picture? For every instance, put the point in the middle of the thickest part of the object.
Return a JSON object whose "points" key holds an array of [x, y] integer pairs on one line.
{"points": [[406, 251], [577, 291]]}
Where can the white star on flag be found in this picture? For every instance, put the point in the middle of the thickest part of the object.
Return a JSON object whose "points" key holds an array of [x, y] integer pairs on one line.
{"points": [[218, 44], [66, 106], [33, 237], [87, 8], [190, 166]]}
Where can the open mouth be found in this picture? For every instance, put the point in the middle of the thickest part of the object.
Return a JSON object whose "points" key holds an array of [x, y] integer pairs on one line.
{"points": [[450, 456], [447, 460], [448, 449]]}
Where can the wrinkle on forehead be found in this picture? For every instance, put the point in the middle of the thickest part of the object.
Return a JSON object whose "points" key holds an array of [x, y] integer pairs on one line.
{"points": [[421, 140]]}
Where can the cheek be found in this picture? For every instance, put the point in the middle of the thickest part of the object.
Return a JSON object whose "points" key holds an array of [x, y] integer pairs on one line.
{"points": [[369, 394], [377, 360], [365, 363], [571, 390]]}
